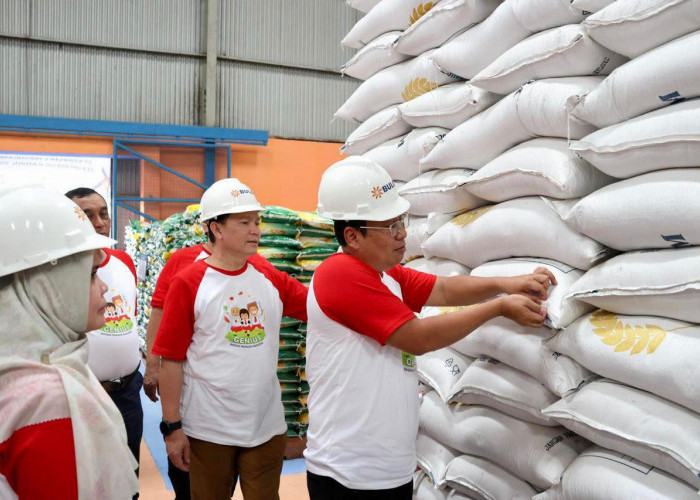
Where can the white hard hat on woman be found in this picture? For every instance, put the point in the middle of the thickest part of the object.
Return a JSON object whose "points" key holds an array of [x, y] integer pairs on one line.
{"points": [[49, 297]]}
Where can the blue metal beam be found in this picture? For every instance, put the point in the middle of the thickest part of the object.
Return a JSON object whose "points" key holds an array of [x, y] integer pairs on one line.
{"points": [[169, 200], [71, 126], [120, 145]]}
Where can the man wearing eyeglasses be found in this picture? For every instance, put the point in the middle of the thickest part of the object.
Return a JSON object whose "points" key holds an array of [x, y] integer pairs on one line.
{"points": [[363, 336]]}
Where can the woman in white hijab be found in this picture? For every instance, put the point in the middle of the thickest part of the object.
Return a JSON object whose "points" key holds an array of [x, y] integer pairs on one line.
{"points": [[61, 437]]}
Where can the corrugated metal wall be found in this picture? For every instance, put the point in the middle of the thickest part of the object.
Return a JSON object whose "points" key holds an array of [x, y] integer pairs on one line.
{"points": [[135, 60]]}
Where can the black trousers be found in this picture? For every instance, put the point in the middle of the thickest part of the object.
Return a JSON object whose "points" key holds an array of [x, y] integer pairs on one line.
{"points": [[326, 488]]}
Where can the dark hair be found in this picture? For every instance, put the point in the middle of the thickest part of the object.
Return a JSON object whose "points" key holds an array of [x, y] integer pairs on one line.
{"points": [[82, 192], [340, 225], [220, 219]]}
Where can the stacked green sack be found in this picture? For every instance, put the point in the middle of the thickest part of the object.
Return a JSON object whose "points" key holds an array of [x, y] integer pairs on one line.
{"points": [[150, 245], [290, 365], [317, 243], [279, 241]]}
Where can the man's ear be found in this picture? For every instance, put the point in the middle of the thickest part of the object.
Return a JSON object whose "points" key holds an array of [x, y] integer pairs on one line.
{"points": [[352, 237]]}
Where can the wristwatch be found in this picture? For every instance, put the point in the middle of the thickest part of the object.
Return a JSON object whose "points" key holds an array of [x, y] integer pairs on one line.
{"points": [[167, 428]]}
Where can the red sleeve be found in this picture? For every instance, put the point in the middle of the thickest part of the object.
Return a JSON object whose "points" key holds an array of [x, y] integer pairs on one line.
{"points": [[39, 461], [352, 293], [416, 286], [292, 292], [124, 257], [175, 263], [177, 326]]}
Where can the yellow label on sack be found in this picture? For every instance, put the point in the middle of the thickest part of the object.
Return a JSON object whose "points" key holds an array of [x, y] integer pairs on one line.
{"points": [[417, 87], [420, 11], [469, 217], [632, 338]]}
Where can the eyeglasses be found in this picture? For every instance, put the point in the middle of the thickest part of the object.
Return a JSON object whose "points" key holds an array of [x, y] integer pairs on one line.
{"points": [[395, 228]]}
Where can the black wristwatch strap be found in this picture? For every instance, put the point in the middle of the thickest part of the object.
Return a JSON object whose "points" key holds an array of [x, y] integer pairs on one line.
{"points": [[167, 428]]}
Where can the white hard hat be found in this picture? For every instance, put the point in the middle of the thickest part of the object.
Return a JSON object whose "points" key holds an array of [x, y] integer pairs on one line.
{"points": [[39, 225], [358, 189], [227, 196]]}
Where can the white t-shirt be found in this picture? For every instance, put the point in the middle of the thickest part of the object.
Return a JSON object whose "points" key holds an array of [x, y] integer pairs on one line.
{"points": [[363, 403], [114, 348], [225, 326]]}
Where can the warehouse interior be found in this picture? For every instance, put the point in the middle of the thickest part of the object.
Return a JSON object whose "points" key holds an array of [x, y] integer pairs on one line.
{"points": [[551, 139]]}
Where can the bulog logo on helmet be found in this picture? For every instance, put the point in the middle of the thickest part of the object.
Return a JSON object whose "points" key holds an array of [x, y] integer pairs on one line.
{"points": [[358, 189]]}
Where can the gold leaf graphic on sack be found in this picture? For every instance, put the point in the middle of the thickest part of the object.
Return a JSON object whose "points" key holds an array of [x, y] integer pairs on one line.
{"points": [[632, 338], [420, 11], [417, 87], [471, 216]]}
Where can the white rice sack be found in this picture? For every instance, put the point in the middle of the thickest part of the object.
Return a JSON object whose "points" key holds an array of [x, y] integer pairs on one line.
{"points": [[589, 6], [633, 27], [384, 125], [393, 85], [441, 22], [660, 77], [659, 355], [535, 453], [433, 458], [636, 423], [400, 157], [387, 15], [363, 5], [426, 491], [601, 474], [416, 234], [561, 311], [511, 22], [491, 383], [376, 55], [651, 283], [643, 212], [524, 227], [523, 348], [440, 191], [438, 267], [665, 138], [441, 369], [544, 166], [447, 106], [457, 495], [538, 109], [563, 51], [479, 478]]}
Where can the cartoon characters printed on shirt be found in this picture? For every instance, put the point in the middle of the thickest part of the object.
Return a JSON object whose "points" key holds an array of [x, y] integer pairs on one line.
{"points": [[245, 320], [117, 315]]}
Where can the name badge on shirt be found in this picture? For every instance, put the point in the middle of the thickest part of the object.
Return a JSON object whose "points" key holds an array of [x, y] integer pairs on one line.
{"points": [[409, 361]]}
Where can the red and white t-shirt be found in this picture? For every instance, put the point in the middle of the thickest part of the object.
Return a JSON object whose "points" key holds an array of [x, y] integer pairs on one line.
{"points": [[225, 326], [177, 261], [114, 348], [363, 404], [37, 451]]}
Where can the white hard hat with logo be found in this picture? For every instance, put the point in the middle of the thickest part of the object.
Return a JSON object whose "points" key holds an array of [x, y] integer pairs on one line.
{"points": [[40, 225], [227, 196], [358, 189]]}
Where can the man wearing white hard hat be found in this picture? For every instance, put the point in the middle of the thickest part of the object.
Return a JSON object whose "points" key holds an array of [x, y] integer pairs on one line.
{"points": [[60, 434], [115, 348], [221, 399], [363, 335]]}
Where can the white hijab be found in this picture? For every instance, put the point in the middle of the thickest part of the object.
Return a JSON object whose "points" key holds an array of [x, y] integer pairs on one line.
{"points": [[44, 314]]}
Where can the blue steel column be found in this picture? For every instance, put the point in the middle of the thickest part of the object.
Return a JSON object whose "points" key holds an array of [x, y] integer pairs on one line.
{"points": [[209, 165]]}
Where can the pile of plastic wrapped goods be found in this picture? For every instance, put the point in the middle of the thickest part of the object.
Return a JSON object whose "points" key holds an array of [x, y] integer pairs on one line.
{"points": [[279, 241], [562, 134], [317, 243], [150, 245], [290, 370]]}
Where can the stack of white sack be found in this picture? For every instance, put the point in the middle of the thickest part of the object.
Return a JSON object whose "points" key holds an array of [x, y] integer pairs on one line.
{"points": [[393, 85], [538, 109], [400, 156], [424, 489], [418, 231], [513, 21], [532, 453]]}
